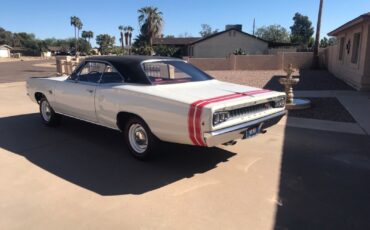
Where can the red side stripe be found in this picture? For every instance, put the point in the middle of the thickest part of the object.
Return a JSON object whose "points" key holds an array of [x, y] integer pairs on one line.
{"points": [[193, 109], [196, 109], [191, 121]]}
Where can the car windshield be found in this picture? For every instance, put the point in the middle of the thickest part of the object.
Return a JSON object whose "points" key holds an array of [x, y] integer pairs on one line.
{"points": [[167, 72]]}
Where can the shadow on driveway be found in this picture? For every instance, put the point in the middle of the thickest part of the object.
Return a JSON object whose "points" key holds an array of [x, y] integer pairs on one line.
{"points": [[95, 158], [35, 71], [324, 181], [324, 176]]}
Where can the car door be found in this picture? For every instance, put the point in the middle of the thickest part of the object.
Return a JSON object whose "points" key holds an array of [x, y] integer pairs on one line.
{"points": [[107, 99], [76, 96]]}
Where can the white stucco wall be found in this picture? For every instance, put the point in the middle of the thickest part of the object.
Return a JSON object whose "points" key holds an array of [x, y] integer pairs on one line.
{"points": [[224, 44], [357, 74], [366, 78]]}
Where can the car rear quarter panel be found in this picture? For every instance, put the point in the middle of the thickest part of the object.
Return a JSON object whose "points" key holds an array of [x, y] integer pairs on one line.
{"points": [[166, 118]]}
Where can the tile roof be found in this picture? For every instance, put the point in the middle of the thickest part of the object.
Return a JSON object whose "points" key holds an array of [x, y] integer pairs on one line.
{"points": [[221, 32], [6, 46], [351, 23], [174, 41]]}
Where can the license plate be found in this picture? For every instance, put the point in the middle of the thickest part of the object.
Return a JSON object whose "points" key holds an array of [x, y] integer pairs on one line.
{"points": [[251, 132]]}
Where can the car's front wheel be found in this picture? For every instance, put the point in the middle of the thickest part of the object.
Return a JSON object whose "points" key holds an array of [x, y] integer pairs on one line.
{"points": [[139, 139], [48, 116]]}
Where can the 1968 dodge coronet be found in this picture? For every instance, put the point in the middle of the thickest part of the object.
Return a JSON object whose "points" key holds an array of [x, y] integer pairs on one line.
{"points": [[152, 99]]}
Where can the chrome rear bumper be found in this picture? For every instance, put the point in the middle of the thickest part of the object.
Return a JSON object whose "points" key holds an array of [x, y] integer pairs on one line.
{"points": [[237, 132]]}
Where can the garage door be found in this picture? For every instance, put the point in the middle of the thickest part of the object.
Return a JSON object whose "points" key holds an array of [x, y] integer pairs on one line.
{"points": [[4, 53]]}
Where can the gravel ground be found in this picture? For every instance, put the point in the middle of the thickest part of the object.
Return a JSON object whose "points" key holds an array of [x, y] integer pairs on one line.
{"points": [[309, 79], [253, 78], [322, 108], [326, 108]]}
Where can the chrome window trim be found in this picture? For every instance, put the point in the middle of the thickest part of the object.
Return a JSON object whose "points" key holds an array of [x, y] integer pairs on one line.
{"points": [[124, 81], [155, 60], [78, 69]]}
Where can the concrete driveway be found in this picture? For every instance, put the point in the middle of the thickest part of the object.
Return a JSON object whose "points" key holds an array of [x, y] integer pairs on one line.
{"points": [[17, 71], [80, 176]]}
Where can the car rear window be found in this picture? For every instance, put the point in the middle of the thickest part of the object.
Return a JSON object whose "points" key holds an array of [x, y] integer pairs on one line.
{"points": [[167, 72]]}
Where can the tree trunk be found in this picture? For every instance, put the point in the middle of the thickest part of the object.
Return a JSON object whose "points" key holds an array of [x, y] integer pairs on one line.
{"points": [[151, 45], [123, 48], [78, 37], [129, 47], [75, 40], [315, 63], [126, 38]]}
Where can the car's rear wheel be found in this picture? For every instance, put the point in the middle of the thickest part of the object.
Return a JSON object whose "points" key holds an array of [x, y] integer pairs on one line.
{"points": [[139, 139], [48, 116]]}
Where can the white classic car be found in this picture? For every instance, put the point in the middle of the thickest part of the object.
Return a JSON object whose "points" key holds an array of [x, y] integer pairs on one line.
{"points": [[152, 99]]}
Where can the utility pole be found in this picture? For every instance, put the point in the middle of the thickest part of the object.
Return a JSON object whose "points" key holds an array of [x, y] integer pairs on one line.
{"points": [[254, 24], [317, 40]]}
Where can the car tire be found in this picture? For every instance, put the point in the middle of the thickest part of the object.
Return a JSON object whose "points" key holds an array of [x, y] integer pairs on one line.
{"points": [[139, 139], [48, 115]]}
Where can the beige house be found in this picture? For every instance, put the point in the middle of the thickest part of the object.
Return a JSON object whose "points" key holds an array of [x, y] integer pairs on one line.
{"points": [[224, 43], [5, 51], [349, 59], [181, 44]]}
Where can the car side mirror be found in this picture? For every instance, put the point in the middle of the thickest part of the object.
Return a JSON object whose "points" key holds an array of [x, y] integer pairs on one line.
{"points": [[73, 78]]}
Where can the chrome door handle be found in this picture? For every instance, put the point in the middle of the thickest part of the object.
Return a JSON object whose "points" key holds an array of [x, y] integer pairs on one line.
{"points": [[90, 90]]}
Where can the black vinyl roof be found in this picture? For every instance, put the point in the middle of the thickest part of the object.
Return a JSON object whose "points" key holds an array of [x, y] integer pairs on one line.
{"points": [[130, 66]]}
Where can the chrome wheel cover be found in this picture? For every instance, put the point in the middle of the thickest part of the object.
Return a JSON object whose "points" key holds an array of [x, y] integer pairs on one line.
{"points": [[45, 110], [138, 138]]}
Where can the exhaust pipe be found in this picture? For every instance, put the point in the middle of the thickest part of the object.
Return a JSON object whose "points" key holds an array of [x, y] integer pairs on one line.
{"points": [[230, 143]]}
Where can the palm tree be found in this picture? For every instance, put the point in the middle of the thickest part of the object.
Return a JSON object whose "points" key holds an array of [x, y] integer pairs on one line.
{"points": [[121, 28], [316, 47], [79, 27], [129, 30], [125, 29], [151, 22], [90, 35], [77, 24], [84, 34], [128, 35], [87, 35]]}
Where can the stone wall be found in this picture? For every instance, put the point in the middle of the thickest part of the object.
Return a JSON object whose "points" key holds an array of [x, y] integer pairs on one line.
{"points": [[257, 62], [210, 63], [299, 60], [66, 64]]}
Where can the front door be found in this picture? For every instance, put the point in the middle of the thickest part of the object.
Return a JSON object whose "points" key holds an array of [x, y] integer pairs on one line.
{"points": [[76, 95]]}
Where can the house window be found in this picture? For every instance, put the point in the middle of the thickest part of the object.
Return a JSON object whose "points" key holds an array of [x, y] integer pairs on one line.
{"points": [[341, 48], [356, 47]]}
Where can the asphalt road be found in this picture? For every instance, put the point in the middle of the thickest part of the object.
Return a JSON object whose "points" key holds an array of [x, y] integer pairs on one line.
{"points": [[81, 176], [17, 71]]}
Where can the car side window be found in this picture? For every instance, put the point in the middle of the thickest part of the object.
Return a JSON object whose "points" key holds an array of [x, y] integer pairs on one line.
{"points": [[91, 72], [111, 75]]}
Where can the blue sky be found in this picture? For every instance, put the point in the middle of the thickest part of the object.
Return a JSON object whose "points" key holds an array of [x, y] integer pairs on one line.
{"points": [[51, 18]]}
